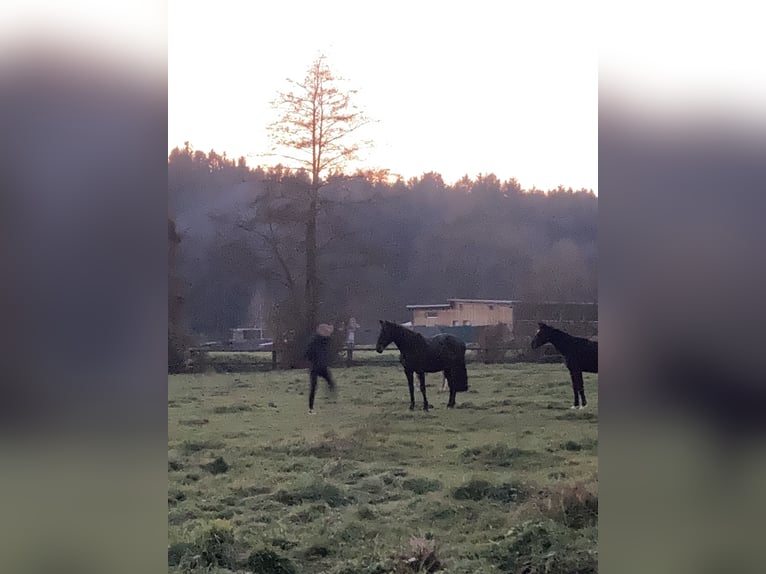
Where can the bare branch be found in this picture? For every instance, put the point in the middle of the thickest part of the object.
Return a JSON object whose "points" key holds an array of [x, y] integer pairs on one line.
{"points": [[271, 240], [337, 237], [316, 117]]}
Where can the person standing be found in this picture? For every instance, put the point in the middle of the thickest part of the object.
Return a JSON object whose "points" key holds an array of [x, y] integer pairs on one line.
{"points": [[318, 354], [352, 327]]}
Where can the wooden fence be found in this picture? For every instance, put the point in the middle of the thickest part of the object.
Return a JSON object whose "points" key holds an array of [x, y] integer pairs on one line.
{"points": [[362, 355]]}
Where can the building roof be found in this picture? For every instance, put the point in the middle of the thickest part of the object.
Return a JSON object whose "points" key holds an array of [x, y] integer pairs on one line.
{"points": [[451, 301], [497, 302], [558, 302], [490, 301]]}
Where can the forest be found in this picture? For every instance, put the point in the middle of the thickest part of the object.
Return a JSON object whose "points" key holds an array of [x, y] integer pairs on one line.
{"points": [[237, 243]]}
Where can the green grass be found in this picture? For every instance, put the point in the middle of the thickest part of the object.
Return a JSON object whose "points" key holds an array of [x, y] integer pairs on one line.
{"points": [[507, 479]]}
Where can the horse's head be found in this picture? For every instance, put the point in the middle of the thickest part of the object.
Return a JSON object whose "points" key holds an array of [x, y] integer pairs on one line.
{"points": [[386, 336], [542, 336]]}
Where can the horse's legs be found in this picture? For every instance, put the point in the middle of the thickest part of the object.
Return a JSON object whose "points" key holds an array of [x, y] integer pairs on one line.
{"points": [[411, 384], [576, 404], [449, 374], [422, 378], [577, 388], [580, 388]]}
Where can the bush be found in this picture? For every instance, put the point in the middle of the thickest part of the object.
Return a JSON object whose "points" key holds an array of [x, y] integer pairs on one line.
{"points": [[421, 485], [481, 489], [572, 505], [316, 491], [178, 551], [364, 567], [500, 454], [420, 556], [493, 341], [546, 547], [316, 551], [226, 409], [218, 466], [190, 446], [214, 546], [198, 362], [269, 562], [585, 444]]}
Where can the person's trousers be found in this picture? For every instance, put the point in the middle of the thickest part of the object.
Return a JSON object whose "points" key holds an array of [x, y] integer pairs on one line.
{"points": [[314, 374]]}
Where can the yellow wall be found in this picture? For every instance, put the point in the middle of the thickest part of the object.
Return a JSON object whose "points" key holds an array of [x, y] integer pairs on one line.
{"points": [[475, 313]]}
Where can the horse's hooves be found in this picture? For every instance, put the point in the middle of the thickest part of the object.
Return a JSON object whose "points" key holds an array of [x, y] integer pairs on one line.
{"points": [[412, 407], [450, 406], [426, 407], [574, 407]]}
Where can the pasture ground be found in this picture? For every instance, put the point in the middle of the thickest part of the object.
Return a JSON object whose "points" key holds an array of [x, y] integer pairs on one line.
{"points": [[506, 482]]}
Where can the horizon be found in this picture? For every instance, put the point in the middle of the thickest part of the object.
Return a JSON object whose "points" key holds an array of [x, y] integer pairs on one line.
{"points": [[521, 105], [391, 178]]}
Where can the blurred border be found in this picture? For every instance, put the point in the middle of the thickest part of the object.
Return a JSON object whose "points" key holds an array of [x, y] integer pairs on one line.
{"points": [[682, 180], [83, 218]]}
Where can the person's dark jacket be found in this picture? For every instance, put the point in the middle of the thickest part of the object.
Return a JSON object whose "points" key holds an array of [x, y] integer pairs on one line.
{"points": [[318, 352]]}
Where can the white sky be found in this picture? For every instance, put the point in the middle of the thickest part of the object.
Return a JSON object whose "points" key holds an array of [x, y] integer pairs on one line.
{"points": [[133, 30], [457, 88], [686, 59]]}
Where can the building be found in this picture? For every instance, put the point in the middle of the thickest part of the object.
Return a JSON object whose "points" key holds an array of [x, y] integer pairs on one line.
{"points": [[241, 334], [462, 313], [579, 319]]}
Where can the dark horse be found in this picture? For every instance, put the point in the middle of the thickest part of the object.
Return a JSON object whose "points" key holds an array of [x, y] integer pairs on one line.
{"points": [[422, 355], [580, 355]]}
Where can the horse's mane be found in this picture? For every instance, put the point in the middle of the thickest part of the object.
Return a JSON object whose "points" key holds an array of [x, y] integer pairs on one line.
{"points": [[554, 329], [403, 329], [560, 332], [407, 332]]}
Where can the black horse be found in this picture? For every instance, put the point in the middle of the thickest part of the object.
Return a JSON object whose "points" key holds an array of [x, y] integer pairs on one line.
{"points": [[580, 355], [422, 355]]}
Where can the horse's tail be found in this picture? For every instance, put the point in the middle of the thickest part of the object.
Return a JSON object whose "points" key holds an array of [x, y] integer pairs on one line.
{"points": [[459, 380]]}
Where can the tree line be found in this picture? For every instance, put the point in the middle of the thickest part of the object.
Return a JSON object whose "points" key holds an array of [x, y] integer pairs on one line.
{"points": [[239, 242], [288, 245]]}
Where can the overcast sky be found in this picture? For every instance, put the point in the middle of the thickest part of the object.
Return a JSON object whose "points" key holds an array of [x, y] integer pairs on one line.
{"points": [[458, 88], [509, 88]]}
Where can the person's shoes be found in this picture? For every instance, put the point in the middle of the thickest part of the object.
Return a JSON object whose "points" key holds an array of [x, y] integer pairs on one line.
{"points": [[312, 412]]}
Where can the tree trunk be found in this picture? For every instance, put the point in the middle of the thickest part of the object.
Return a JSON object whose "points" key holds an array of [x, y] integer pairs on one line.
{"points": [[312, 279]]}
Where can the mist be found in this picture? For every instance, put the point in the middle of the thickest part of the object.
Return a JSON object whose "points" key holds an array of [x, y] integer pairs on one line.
{"points": [[384, 243]]}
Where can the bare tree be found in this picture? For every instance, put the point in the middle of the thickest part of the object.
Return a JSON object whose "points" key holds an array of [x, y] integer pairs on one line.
{"points": [[177, 339], [315, 128]]}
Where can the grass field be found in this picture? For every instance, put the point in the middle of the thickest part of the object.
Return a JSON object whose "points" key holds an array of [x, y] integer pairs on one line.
{"points": [[506, 482]]}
